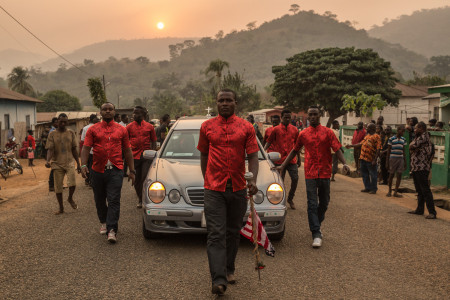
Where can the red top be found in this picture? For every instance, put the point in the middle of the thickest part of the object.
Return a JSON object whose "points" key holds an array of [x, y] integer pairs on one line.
{"points": [[108, 141], [226, 141], [283, 138], [31, 142], [358, 136], [318, 142], [141, 136], [267, 133]]}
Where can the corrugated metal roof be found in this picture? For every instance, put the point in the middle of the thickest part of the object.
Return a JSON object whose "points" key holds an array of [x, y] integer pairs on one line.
{"points": [[432, 96], [44, 117], [11, 95], [412, 91]]}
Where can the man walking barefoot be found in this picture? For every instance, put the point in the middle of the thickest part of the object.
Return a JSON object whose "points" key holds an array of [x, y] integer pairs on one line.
{"points": [[224, 141], [62, 150], [318, 142], [108, 139]]}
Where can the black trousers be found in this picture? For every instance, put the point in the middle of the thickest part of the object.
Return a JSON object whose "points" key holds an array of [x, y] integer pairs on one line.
{"points": [[224, 214], [384, 171], [292, 169], [141, 166], [107, 186], [423, 189], [89, 166]]}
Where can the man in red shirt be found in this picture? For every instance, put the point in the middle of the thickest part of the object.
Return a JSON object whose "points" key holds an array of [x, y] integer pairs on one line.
{"points": [[108, 139], [283, 138], [358, 136], [142, 137], [276, 120], [224, 141], [317, 140]]}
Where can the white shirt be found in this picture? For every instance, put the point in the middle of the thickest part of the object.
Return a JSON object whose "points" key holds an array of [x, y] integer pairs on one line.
{"points": [[123, 124], [83, 134]]}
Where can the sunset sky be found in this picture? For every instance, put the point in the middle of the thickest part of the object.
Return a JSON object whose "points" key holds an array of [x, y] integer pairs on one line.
{"points": [[68, 25]]}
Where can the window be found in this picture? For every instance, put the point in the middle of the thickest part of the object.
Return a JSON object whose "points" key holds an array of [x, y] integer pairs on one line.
{"points": [[7, 125], [27, 118]]}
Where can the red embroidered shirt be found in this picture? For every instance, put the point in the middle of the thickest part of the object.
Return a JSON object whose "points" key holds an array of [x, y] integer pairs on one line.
{"points": [[31, 142], [108, 141], [141, 137], [226, 141], [283, 138], [267, 134], [358, 136], [318, 143]]}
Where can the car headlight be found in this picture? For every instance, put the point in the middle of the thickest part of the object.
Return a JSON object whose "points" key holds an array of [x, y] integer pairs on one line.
{"points": [[174, 196], [258, 198], [156, 192], [275, 193]]}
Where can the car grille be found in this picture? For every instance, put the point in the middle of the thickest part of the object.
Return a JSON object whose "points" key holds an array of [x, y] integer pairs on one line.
{"points": [[196, 196]]}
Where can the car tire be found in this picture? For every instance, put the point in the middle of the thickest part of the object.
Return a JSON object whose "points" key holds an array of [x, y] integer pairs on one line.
{"points": [[148, 234], [277, 236]]}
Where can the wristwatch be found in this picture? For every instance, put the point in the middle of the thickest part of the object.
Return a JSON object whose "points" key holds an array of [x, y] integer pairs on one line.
{"points": [[134, 172]]}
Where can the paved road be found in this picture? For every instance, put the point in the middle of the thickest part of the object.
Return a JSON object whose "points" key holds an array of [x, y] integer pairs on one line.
{"points": [[372, 249]]}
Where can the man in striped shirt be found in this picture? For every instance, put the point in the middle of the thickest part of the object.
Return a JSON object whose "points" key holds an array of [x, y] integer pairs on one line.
{"points": [[396, 161]]}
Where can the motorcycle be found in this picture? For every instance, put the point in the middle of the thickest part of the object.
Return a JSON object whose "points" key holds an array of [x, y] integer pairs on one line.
{"points": [[9, 163]]}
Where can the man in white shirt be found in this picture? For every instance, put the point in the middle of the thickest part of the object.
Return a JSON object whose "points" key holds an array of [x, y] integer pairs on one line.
{"points": [[124, 120], [93, 119]]}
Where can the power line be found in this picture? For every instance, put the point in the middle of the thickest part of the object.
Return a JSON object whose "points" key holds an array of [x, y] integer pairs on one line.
{"points": [[42, 42]]}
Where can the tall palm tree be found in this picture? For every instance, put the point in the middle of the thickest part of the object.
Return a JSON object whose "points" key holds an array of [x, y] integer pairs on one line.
{"points": [[216, 66], [17, 81]]}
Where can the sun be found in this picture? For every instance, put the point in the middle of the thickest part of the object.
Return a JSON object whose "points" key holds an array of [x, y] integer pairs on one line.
{"points": [[160, 25]]}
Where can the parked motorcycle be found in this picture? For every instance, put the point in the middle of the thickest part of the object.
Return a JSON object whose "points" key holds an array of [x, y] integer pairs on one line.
{"points": [[9, 163]]}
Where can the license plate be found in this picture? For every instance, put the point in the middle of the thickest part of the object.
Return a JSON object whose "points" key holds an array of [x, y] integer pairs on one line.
{"points": [[153, 212], [203, 219], [274, 213]]}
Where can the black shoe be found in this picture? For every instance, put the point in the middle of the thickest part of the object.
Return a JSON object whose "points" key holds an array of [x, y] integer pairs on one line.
{"points": [[431, 216], [372, 192], [364, 191], [415, 212], [218, 289]]}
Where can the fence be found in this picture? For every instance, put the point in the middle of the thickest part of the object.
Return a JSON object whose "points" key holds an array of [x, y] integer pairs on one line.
{"points": [[441, 160]]}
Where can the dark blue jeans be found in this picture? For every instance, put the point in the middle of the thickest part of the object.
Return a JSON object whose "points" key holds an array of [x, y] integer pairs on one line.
{"points": [[292, 169], [318, 194], [224, 214], [369, 175], [107, 187]]}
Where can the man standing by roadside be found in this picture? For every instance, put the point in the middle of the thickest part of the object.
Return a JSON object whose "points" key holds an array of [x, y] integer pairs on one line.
{"points": [[109, 140], [61, 151], [396, 161], [251, 119], [93, 119], [384, 158], [421, 151], [276, 120], [142, 137], [163, 129], [370, 150], [358, 136], [318, 141], [335, 127], [51, 181], [283, 138], [224, 141]]}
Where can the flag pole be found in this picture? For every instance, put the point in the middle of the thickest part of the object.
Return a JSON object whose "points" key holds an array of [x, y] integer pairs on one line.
{"points": [[249, 176]]}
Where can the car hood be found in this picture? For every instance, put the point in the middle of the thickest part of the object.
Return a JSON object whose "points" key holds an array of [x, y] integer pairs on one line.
{"points": [[184, 173]]}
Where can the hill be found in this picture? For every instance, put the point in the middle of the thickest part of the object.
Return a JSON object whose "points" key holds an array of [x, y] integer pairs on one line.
{"points": [[154, 49], [251, 53], [11, 58], [425, 32]]}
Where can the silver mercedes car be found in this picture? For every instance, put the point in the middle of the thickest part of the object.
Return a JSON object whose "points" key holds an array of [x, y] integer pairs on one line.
{"points": [[173, 190]]}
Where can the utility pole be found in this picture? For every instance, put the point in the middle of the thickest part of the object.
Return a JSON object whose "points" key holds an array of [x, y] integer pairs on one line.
{"points": [[118, 100], [104, 84]]}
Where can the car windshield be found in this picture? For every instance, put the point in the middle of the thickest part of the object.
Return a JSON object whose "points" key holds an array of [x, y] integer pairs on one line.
{"points": [[182, 144]]}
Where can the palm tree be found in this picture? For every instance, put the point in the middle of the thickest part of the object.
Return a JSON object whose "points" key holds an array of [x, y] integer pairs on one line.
{"points": [[17, 81], [216, 66]]}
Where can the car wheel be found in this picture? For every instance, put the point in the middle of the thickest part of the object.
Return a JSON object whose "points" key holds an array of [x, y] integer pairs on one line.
{"points": [[277, 236], [148, 234]]}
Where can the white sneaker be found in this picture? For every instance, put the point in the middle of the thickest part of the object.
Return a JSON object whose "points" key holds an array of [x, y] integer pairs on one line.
{"points": [[317, 242], [112, 236], [103, 229]]}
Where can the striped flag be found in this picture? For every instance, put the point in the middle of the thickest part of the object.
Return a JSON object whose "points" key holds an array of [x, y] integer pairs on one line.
{"points": [[263, 239]]}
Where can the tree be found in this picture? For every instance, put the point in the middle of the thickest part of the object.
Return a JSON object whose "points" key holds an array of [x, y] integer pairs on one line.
{"points": [[167, 82], [216, 66], [97, 92], [251, 25], [88, 62], [205, 41], [189, 43], [294, 8], [3, 82], [426, 80], [330, 15], [173, 51], [248, 98], [17, 81], [323, 76], [363, 104], [440, 66], [58, 100], [142, 60], [144, 102], [219, 35], [166, 103]]}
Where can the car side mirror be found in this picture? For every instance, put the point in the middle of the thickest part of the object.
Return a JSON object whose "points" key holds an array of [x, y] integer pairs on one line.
{"points": [[274, 156], [149, 154]]}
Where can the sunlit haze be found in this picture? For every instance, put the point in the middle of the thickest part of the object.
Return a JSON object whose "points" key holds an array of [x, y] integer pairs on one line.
{"points": [[68, 25]]}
